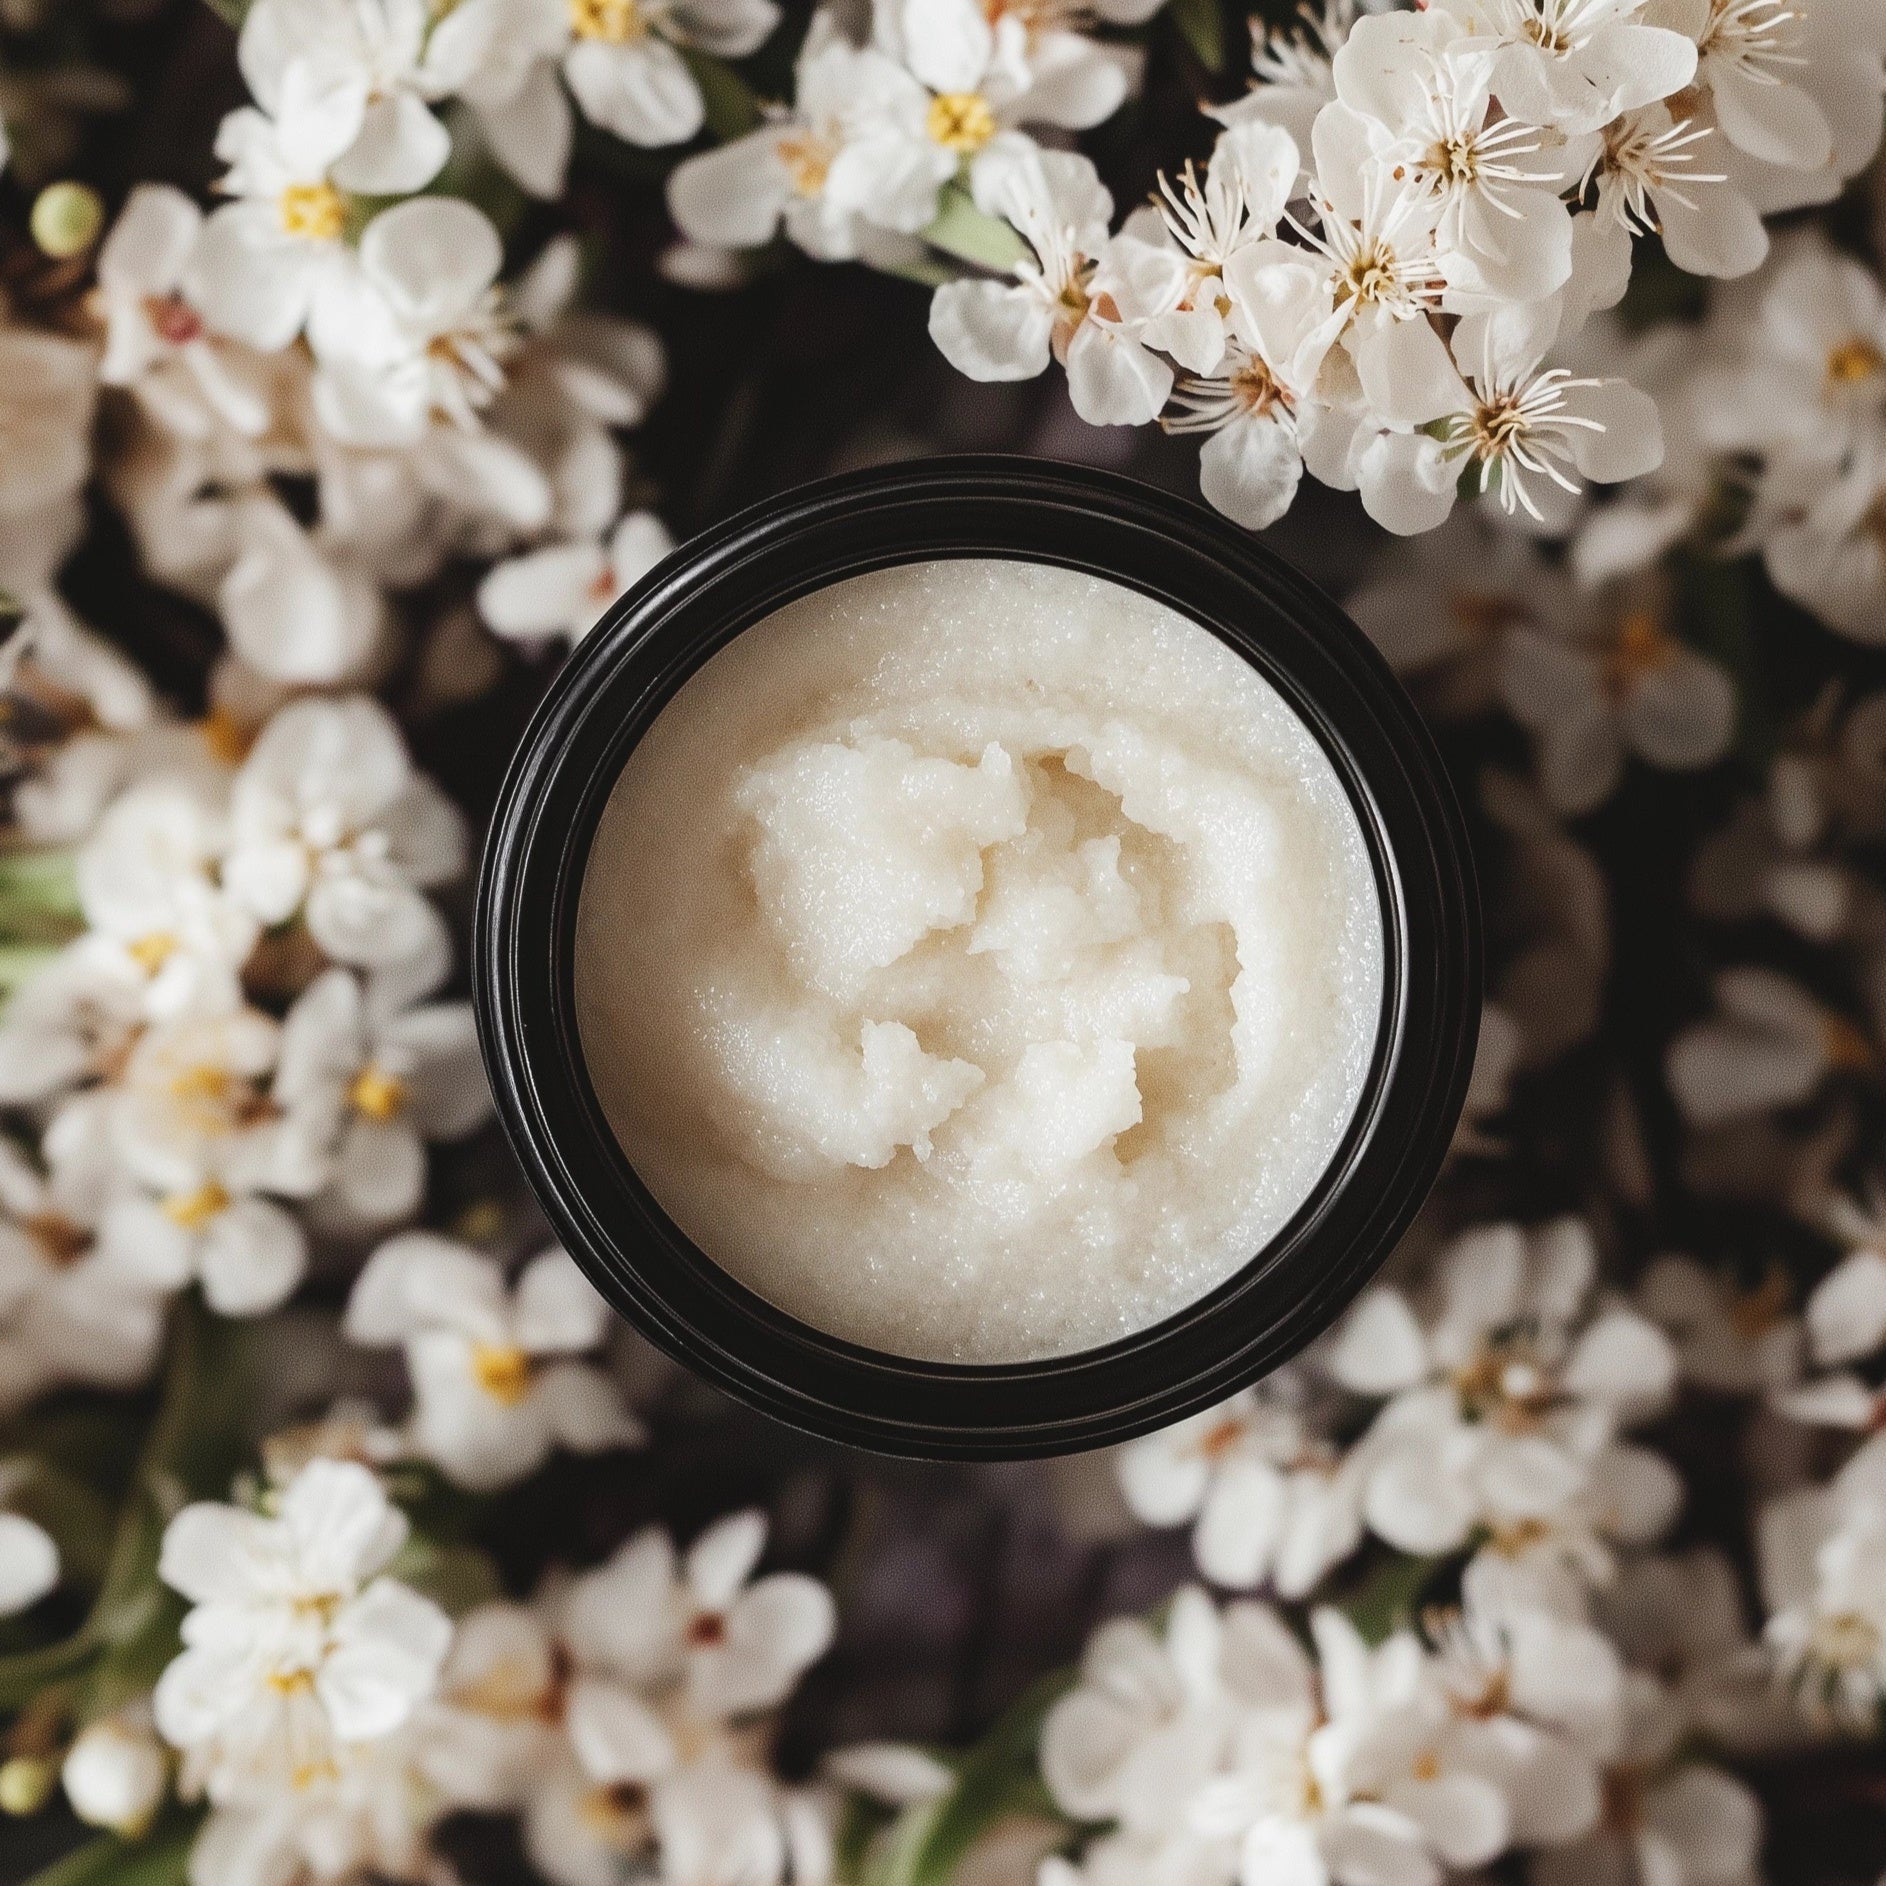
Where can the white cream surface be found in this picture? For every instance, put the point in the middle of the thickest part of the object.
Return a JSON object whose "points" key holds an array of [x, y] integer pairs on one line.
{"points": [[979, 960]]}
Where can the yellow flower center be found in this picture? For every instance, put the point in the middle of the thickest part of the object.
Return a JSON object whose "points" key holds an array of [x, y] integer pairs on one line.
{"points": [[1518, 1537], [616, 22], [1640, 647], [1623, 1801], [1455, 159], [1482, 617], [618, 1815], [962, 122], [1845, 1640], [1037, 17], [206, 1081], [808, 161], [152, 950], [1845, 1047], [503, 1371], [1853, 361], [316, 212], [193, 1210], [379, 1096], [291, 1682], [225, 736], [1256, 388], [60, 1241], [1753, 1313], [1221, 1438]]}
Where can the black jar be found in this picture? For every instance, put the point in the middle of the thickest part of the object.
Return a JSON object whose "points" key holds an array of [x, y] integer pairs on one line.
{"points": [[626, 670]]}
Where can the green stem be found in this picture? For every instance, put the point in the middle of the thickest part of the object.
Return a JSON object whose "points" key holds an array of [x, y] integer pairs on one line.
{"points": [[131, 1564]]}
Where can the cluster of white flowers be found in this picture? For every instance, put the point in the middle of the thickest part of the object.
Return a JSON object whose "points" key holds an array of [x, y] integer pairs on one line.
{"points": [[340, 319], [1220, 1749], [1559, 1705], [1388, 271], [1503, 1392], [241, 1043], [940, 92], [331, 1715], [355, 407]]}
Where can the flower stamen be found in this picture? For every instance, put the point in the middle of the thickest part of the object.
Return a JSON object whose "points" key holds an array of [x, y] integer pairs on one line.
{"points": [[962, 122]]}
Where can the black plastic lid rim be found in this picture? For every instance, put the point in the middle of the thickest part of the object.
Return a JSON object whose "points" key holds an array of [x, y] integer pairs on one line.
{"points": [[617, 680]]}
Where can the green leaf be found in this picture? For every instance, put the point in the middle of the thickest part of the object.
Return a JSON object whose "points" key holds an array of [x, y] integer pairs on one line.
{"points": [[962, 230], [234, 11], [161, 1858], [997, 1778], [925, 272], [20, 963], [1202, 26], [1717, 603], [191, 1451], [1389, 1597], [39, 898], [74, 1513], [455, 1577], [732, 110]]}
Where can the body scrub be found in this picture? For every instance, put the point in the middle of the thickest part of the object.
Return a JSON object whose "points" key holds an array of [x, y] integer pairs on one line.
{"points": [[979, 960]]}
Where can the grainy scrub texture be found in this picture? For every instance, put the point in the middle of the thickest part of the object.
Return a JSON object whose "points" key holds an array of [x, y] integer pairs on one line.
{"points": [[979, 960]]}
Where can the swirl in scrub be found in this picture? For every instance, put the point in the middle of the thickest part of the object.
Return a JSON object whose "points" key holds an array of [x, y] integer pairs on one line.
{"points": [[979, 960]]}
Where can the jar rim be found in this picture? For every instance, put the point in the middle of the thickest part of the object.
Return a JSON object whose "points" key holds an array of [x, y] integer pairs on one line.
{"points": [[610, 690]]}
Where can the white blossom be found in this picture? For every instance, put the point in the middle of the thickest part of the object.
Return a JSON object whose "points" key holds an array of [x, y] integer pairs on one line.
{"points": [[1576, 64], [372, 68], [70, 1310], [1259, 405], [1082, 299], [1506, 1401], [1237, 207], [157, 342], [420, 333], [495, 1383], [1822, 1554], [268, 260], [1769, 1044], [994, 67], [383, 1078], [1272, 1500], [671, 1661], [854, 149], [1607, 680], [563, 589], [1425, 85], [115, 1774], [1823, 536], [297, 1644], [1730, 1340], [29, 1563], [1293, 68], [148, 885], [623, 61], [1655, 172], [329, 818], [1499, 415]]}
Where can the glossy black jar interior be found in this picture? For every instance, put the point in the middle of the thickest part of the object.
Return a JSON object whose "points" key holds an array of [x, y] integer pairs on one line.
{"points": [[620, 677]]}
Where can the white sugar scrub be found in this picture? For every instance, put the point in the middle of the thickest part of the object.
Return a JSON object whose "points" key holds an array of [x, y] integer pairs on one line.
{"points": [[979, 960]]}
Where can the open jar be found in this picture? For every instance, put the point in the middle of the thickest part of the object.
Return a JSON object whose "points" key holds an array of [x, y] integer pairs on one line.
{"points": [[978, 959]]}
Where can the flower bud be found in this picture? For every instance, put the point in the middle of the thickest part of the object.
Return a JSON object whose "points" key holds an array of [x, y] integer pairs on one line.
{"points": [[66, 219], [25, 1782], [114, 1775]]}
